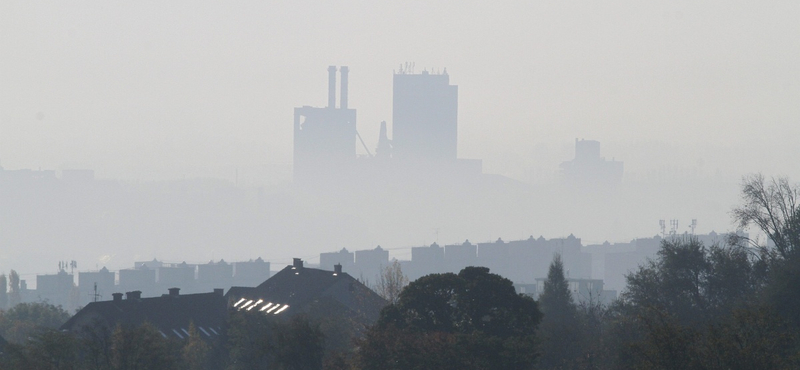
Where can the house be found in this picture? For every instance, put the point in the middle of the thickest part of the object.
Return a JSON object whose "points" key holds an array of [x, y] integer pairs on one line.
{"points": [[170, 313], [298, 289]]}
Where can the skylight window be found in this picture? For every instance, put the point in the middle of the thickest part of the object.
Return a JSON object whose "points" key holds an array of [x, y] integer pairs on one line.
{"points": [[184, 330], [239, 302], [204, 331], [213, 331], [282, 309], [273, 308], [255, 304], [246, 304], [178, 334], [266, 306]]}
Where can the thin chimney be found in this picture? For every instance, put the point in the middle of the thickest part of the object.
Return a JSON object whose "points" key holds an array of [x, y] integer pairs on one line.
{"points": [[337, 268], [332, 87], [297, 262], [343, 85]]}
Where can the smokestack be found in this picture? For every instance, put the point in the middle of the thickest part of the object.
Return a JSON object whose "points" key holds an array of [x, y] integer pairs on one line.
{"points": [[343, 98], [332, 87]]}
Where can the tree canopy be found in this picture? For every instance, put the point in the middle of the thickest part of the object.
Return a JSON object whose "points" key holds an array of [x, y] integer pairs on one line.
{"points": [[472, 319]]}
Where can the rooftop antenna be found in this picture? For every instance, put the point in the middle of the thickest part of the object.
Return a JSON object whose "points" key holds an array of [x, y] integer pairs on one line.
{"points": [[693, 225], [673, 224], [95, 296], [663, 225]]}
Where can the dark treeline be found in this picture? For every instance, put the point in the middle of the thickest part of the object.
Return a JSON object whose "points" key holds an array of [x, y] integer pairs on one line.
{"points": [[730, 306]]}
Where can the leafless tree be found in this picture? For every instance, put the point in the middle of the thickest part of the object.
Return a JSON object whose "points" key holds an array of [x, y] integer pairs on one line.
{"points": [[773, 207], [391, 282]]}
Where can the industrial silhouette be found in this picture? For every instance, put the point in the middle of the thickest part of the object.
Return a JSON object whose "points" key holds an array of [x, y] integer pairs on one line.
{"points": [[424, 138]]}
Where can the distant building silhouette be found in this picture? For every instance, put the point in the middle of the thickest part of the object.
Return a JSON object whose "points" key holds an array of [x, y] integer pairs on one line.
{"points": [[423, 143], [103, 280], [459, 256], [588, 168], [214, 275], [426, 260], [370, 262], [251, 272], [180, 275], [327, 261], [58, 289], [521, 261], [141, 278], [325, 138], [424, 117]]}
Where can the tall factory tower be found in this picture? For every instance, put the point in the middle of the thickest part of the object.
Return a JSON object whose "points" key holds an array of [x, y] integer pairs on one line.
{"points": [[325, 138], [424, 117]]}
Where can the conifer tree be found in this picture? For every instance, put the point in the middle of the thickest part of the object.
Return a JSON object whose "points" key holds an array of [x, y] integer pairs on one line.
{"points": [[559, 331], [3, 292]]}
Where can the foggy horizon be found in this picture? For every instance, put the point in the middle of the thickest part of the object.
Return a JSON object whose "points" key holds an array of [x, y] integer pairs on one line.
{"points": [[164, 97]]}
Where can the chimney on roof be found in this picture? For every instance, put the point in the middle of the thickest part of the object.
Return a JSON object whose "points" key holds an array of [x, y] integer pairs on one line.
{"points": [[136, 294], [219, 292], [117, 297], [343, 86], [297, 262], [332, 87], [174, 292], [337, 268]]}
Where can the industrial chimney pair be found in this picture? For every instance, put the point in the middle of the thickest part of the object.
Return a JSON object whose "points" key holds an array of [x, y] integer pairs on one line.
{"points": [[332, 87]]}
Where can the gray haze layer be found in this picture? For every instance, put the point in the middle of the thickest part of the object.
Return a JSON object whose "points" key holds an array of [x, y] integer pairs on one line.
{"points": [[155, 95]]}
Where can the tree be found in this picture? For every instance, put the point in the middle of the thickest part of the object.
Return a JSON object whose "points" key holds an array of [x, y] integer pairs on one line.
{"points": [[26, 319], [257, 341], [196, 352], [96, 341], [3, 292], [559, 331], [472, 320], [298, 344], [773, 208], [249, 338], [700, 308], [390, 282], [142, 347], [13, 289], [52, 349]]}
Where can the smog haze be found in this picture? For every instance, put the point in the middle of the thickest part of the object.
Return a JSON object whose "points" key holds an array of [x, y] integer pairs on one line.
{"points": [[184, 112]]}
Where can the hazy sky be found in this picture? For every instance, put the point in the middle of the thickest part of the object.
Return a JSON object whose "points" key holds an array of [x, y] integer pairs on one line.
{"points": [[154, 89]]}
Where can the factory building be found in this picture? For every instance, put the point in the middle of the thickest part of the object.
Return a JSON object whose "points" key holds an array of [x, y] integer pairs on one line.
{"points": [[589, 169], [325, 138], [424, 117], [424, 133]]}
